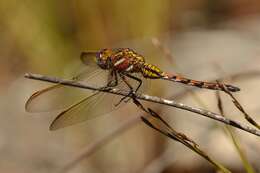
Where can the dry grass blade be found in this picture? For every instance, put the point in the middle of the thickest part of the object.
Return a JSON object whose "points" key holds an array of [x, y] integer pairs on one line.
{"points": [[240, 108], [156, 122], [235, 140], [187, 142], [157, 43], [161, 124]]}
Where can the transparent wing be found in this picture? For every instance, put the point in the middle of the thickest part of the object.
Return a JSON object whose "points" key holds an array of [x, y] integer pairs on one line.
{"points": [[88, 108], [59, 96], [92, 106]]}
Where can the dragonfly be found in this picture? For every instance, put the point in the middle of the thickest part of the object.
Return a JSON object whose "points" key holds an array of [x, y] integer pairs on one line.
{"points": [[122, 68]]}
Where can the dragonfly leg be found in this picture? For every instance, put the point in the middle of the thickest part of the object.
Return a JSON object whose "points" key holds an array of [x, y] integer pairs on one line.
{"points": [[138, 87], [137, 79], [132, 90], [114, 80]]}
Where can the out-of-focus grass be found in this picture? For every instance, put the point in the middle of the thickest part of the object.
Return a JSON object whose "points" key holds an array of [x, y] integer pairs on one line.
{"points": [[50, 33], [46, 36]]}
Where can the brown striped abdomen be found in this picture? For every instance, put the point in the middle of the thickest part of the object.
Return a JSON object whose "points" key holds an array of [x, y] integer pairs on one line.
{"points": [[200, 84]]}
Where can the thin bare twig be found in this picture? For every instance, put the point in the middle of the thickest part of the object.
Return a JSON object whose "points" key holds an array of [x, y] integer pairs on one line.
{"points": [[237, 104], [241, 109], [155, 121], [180, 137], [149, 98], [169, 56]]}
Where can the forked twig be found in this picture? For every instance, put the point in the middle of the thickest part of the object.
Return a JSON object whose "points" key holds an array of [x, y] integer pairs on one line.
{"points": [[149, 98], [155, 121], [240, 107]]}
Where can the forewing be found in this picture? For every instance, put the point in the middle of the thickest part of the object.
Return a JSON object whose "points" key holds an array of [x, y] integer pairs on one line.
{"points": [[59, 96], [90, 107]]}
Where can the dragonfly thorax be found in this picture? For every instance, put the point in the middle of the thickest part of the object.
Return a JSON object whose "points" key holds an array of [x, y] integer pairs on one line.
{"points": [[125, 60], [121, 60]]}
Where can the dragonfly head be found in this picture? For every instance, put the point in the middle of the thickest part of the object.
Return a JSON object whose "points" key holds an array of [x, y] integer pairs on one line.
{"points": [[104, 58]]}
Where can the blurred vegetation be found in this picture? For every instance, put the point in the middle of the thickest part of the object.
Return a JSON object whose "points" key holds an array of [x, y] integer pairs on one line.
{"points": [[44, 35], [50, 33], [47, 37]]}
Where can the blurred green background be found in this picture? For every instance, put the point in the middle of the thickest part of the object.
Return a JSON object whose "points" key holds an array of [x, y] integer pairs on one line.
{"points": [[47, 37]]}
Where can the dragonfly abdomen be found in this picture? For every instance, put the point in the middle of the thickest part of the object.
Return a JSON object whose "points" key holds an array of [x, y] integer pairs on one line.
{"points": [[200, 84], [151, 71]]}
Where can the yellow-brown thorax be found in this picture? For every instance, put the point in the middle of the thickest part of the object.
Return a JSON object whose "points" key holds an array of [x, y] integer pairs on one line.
{"points": [[125, 60]]}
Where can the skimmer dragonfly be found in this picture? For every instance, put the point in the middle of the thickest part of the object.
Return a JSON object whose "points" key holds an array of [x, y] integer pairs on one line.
{"points": [[122, 68]]}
